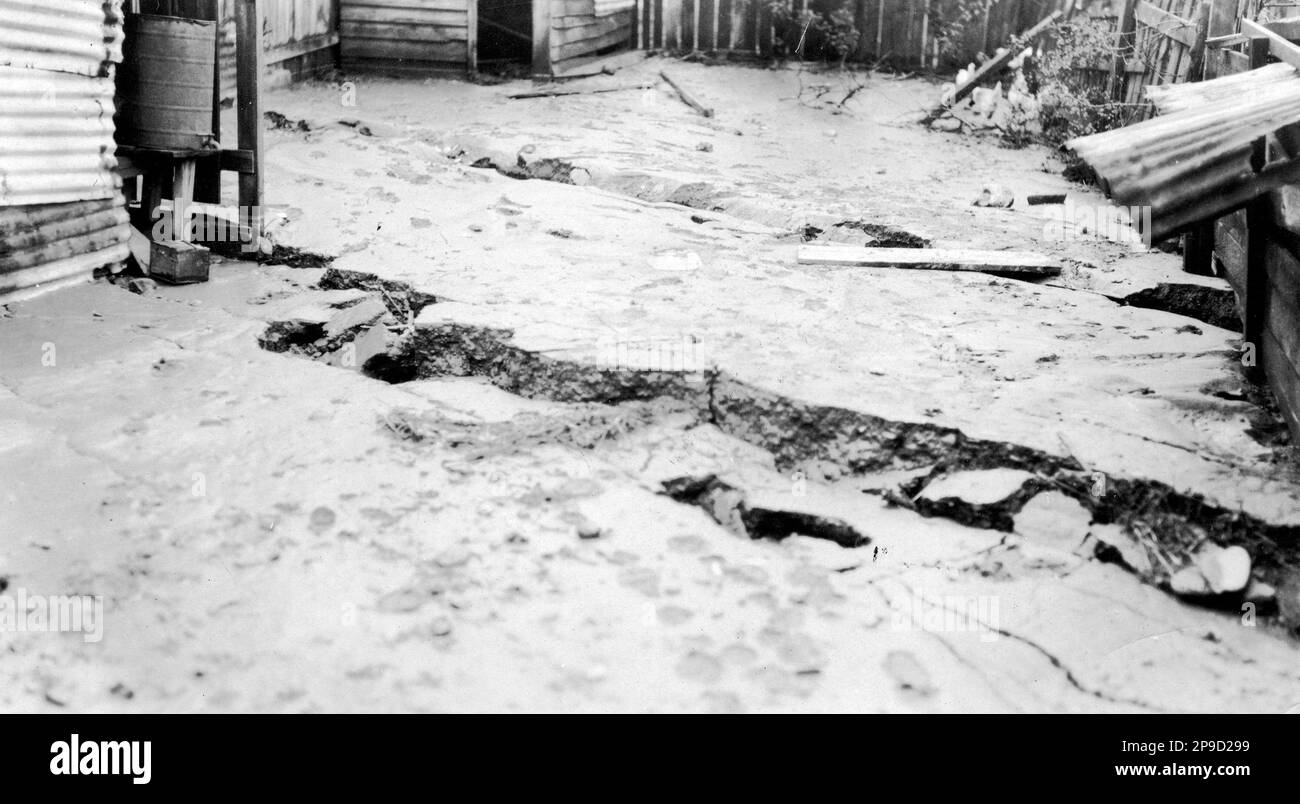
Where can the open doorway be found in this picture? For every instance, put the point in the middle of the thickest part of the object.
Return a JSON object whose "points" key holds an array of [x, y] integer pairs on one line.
{"points": [[505, 36]]}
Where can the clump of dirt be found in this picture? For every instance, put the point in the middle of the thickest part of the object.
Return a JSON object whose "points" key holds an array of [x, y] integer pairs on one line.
{"points": [[545, 169], [294, 258], [402, 300], [886, 236], [1215, 306], [281, 123], [696, 195]]}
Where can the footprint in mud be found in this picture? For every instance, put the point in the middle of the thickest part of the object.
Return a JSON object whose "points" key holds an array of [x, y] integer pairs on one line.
{"points": [[912, 678], [699, 666], [402, 601], [674, 615]]}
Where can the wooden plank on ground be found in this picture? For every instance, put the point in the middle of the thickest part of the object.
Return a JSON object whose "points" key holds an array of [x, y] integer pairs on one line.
{"points": [[934, 259]]}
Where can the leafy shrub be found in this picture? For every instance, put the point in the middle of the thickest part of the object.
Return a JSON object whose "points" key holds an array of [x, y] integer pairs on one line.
{"points": [[830, 36]]}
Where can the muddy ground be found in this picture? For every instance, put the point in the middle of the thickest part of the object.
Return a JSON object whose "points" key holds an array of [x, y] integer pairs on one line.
{"points": [[557, 422]]}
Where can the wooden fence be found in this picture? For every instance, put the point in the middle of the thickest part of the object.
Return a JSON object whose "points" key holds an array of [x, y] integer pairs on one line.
{"points": [[905, 33]]}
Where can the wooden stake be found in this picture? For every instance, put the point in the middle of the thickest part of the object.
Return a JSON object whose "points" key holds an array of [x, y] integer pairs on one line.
{"points": [[686, 97]]}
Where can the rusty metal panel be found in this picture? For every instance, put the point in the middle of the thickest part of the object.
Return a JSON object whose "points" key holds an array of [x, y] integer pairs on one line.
{"points": [[56, 137], [70, 36], [62, 214]]}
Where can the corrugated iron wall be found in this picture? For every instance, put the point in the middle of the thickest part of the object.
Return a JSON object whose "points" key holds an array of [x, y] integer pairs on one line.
{"points": [[62, 213]]}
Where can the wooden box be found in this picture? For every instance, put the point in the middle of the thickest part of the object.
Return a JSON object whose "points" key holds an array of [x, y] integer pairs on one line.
{"points": [[179, 263]]}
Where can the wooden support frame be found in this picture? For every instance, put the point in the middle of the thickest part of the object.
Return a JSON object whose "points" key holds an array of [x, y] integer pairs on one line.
{"points": [[1258, 223], [248, 88], [1279, 47], [471, 36]]}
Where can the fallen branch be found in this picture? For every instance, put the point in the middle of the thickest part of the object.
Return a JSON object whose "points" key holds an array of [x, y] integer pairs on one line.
{"points": [[686, 96], [554, 93]]}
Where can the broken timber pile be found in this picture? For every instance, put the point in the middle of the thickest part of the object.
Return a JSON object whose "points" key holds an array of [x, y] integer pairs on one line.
{"points": [[993, 66], [937, 259], [1198, 163]]}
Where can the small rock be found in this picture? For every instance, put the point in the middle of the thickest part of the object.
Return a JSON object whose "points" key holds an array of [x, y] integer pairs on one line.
{"points": [[141, 286], [995, 195], [1226, 569], [589, 531], [1053, 519], [1189, 581], [1260, 593], [322, 518], [440, 627], [453, 557], [704, 147]]}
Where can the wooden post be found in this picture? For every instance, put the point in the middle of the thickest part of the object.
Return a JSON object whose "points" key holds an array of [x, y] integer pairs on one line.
{"points": [[1124, 48], [248, 24], [542, 38], [471, 37], [1196, 56], [207, 186], [1198, 244], [1257, 224]]}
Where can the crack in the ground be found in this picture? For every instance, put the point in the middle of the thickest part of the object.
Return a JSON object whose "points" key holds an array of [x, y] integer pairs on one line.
{"points": [[796, 432], [1051, 657]]}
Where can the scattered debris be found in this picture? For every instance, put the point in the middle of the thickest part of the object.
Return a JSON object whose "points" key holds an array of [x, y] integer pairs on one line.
{"points": [[281, 123], [994, 195], [1010, 263], [555, 93]]}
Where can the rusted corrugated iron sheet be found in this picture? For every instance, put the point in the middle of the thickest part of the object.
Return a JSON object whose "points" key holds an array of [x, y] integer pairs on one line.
{"points": [[45, 246], [62, 214], [1195, 164], [56, 137], [69, 36]]}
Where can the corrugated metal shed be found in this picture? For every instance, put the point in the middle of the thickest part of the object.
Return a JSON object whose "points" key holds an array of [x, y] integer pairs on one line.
{"points": [[62, 214]]}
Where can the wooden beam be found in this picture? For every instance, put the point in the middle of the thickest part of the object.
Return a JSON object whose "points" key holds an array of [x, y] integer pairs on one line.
{"points": [[1200, 31], [248, 68], [995, 64], [936, 259], [301, 48], [471, 36], [1162, 22], [541, 38], [1278, 46], [207, 186]]}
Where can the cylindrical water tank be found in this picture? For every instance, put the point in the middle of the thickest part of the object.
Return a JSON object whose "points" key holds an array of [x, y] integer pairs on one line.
{"points": [[165, 83]]}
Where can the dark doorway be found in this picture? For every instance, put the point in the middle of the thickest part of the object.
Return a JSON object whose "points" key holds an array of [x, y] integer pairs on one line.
{"points": [[505, 35]]}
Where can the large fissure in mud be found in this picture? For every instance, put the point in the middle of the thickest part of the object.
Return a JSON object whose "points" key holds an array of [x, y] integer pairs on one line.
{"points": [[1172, 524]]}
